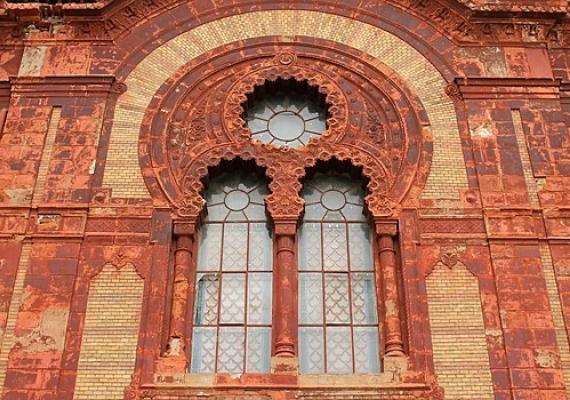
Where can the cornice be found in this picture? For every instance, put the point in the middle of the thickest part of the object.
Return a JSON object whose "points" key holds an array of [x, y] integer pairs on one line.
{"points": [[73, 85], [508, 88], [457, 19]]}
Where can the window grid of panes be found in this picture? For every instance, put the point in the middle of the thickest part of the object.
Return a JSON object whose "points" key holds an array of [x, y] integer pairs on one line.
{"points": [[338, 323], [232, 312]]}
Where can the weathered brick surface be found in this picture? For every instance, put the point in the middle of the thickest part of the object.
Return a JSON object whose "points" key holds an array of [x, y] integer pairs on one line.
{"points": [[96, 188]]}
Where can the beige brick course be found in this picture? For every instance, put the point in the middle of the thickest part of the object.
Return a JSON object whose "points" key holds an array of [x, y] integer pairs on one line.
{"points": [[448, 175], [459, 344], [110, 336]]}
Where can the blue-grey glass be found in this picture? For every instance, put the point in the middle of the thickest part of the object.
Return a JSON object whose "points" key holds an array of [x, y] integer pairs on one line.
{"points": [[339, 350], [259, 296], [311, 350], [366, 353], [203, 350], [209, 252], [260, 256], [232, 307], [206, 308], [231, 349], [360, 247], [285, 119], [310, 247], [310, 298], [259, 350]]}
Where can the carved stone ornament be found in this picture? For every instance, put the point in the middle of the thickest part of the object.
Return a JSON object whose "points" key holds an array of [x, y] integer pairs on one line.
{"points": [[380, 136], [450, 255]]}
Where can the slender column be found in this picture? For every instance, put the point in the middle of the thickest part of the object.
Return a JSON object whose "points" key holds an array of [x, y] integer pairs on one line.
{"points": [[285, 275], [181, 299], [394, 346]]}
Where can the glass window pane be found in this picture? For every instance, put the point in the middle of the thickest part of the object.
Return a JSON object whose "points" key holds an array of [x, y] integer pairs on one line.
{"points": [[235, 246], [335, 243], [260, 248], [209, 253], [366, 354], [310, 298], [364, 299], [232, 310], [312, 352], [207, 299], [360, 247], [310, 247], [258, 349], [231, 350], [203, 350], [336, 299], [339, 350], [259, 298]]}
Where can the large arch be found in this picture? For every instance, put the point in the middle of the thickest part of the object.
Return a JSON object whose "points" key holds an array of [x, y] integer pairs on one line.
{"points": [[160, 64]]}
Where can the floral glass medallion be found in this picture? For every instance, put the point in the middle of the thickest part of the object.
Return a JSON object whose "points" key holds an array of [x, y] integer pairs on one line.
{"points": [[286, 113]]}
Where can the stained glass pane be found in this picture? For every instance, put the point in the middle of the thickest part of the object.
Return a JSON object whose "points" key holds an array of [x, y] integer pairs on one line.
{"points": [[260, 254], [360, 247], [366, 355], [259, 350], [310, 247], [339, 350], [364, 299], [231, 350], [210, 247], [259, 298], [335, 247], [336, 299], [312, 351], [203, 350], [235, 246], [310, 298], [206, 308], [232, 310]]}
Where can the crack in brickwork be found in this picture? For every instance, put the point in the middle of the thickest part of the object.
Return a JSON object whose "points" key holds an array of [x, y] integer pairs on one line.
{"points": [[122, 171], [460, 352], [8, 339], [47, 151], [110, 336]]}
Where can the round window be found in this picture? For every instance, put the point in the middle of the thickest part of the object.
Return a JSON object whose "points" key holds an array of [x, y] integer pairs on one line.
{"points": [[286, 113]]}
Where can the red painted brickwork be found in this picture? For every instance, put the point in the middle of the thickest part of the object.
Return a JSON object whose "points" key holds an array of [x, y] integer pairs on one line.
{"points": [[474, 178]]}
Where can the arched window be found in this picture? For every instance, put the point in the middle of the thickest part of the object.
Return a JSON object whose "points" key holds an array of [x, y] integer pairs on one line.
{"points": [[338, 320], [232, 312]]}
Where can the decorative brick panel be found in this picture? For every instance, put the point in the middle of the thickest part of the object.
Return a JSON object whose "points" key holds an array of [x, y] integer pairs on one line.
{"points": [[110, 336], [458, 333]]}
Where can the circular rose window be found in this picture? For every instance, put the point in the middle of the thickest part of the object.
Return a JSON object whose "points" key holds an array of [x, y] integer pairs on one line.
{"points": [[286, 113]]}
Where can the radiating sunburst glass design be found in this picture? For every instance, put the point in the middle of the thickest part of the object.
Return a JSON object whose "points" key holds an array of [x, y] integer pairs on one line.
{"points": [[338, 321], [232, 314], [286, 113]]}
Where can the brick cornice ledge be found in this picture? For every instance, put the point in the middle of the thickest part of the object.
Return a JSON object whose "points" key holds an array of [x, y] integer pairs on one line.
{"points": [[508, 88], [72, 85]]}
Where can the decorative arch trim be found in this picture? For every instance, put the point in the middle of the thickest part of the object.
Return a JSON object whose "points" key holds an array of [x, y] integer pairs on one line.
{"points": [[157, 67]]}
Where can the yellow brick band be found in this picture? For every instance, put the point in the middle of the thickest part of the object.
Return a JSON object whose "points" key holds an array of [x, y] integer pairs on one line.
{"points": [[110, 336], [460, 351], [8, 339], [122, 172]]}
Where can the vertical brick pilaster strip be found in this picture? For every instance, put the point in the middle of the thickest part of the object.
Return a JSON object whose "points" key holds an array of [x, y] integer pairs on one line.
{"points": [[182, 293], [394, 345], [15, 303], [285, 275], [3, 115], [39, 187], [529, 179]]}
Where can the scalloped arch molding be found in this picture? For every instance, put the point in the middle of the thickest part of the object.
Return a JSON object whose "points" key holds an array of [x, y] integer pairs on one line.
{"points": [[122, 172]]}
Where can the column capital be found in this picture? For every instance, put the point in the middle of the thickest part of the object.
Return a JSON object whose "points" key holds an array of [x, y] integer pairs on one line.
{"points": [[184, 228], [386, 228]]}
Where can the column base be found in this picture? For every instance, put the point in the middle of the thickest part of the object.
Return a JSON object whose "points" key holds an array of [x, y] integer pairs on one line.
{"points": [[284, 365]]}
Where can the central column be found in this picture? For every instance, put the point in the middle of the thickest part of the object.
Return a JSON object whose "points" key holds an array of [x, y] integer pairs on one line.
{"points": [[285, 289]]}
